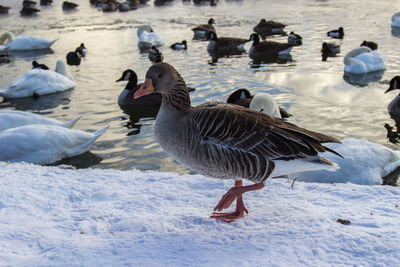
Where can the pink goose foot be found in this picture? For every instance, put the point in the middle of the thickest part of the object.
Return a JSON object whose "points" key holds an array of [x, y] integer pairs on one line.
{"points": [[235, 192]]}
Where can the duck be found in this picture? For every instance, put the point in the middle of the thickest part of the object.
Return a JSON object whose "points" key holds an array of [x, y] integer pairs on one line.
{"points": [[363, 60], [338, 34], [24, 43], [36, 65], [28, 11], [363, 162], [4, 9], [179, 46], [74, 58], [4, 58], [111, 6], [124, 7], [148, 38], [82, 50], [69, 5], [15, 118], [155, 55], [203, 30], [260, 102], [370, 44], [394, 106], [267, 48], [295, 39], [43, 143], [396, 20], [37, 82], [265, 28], [28, 3], [330, 49], [46, 2], [225, 45], [227, 141]]}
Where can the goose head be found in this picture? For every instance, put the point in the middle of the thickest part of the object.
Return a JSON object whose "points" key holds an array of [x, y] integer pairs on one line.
{"points": [[394, 84], [160, 78], [341, 32], [241, 93], [255, 38], [128, 75], [211, 21], [35, 64], [212, 36]]}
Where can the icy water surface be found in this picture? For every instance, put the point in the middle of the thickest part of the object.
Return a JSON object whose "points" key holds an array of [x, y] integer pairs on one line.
{"points": [[315, 92]]}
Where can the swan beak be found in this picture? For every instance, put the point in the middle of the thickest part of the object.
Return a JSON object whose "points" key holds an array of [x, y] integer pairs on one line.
{"points": [[147, 88]]}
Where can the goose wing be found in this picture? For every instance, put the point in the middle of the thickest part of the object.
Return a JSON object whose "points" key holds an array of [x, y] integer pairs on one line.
{"points": [[238, 128]]}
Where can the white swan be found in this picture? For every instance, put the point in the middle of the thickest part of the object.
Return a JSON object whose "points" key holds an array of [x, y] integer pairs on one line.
{"points": [[16, 118], [363, 60], [44, 144], [24, 43], [396, 20], [148, 37], [363, 162], [38, 82], [265, 103]]}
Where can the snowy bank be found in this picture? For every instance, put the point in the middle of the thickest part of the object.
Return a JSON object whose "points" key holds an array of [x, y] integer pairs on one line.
{"points": [[51, 216]]}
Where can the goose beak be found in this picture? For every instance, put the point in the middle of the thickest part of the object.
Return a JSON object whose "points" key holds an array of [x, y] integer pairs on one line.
{"points": [[388, 90], [120, 79], [147, 88]]}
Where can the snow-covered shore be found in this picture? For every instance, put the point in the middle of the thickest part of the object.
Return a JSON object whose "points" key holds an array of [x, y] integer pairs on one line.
{"points": [[50, 216]]}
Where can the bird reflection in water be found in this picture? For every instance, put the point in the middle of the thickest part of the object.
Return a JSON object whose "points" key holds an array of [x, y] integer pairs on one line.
{"points": [[136, 113], [393, 135], [270, 59]]}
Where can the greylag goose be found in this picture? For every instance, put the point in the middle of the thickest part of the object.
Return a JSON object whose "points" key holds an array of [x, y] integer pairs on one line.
{"points": [[203, 29], [225, 45], [370, 44], [265, 28], [228, 141], [242, 97], [338, 34], [394, 106]]}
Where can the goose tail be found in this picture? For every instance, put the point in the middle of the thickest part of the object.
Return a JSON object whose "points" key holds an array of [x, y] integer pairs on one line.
{"points": [[71, 124]]}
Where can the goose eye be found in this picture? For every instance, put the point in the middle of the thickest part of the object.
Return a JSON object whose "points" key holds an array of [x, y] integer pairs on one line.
{"points": [[160, 75], [261, 110]]}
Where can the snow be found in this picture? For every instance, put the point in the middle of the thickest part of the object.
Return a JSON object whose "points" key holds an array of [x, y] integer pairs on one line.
{"points": [[55, 216]]}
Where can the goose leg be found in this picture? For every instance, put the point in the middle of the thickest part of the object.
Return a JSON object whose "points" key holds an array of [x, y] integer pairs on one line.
{"points": [[235, 192]]}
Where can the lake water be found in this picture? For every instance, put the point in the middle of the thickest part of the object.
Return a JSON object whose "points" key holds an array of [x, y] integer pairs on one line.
{"points": [[314, 91]]}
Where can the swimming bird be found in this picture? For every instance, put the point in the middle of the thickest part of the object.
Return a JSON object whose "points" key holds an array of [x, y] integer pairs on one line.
{"points": [[363, 162], [203, 30], [36, 65], [74, 58], [267, 48], [225, 45], [38, 82], [28, 11], [28, 3], [370, 44], [227, 141], [4, 9], [260, 102], [394, 106], [330, 49], [155, 55], [265, 28], [396, 20], [44, 144], [148, 38], [295, 39], [46, 2], [179, 46], [24, 43], [363, 60], [339, 33], [81, 50], [16, 118], [69, 5]]}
